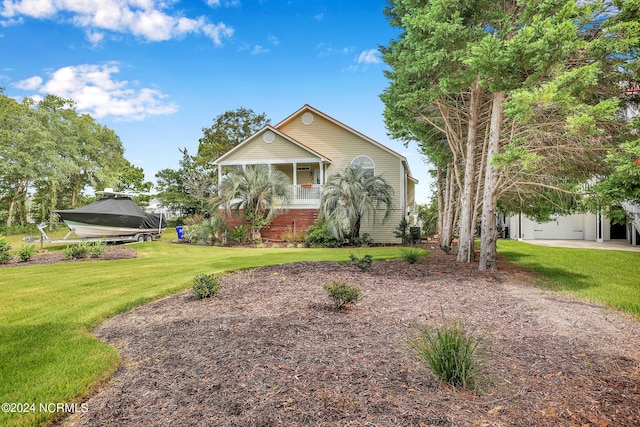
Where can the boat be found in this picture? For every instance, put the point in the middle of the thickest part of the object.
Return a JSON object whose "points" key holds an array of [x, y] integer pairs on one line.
{"points": [[114, 214]]}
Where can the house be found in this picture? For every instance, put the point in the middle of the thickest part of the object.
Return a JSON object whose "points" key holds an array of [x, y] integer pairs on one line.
{"points": [[156, 206], [309, 146]]}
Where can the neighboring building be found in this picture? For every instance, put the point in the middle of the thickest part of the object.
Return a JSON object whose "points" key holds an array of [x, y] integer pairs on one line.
{"points": [[572, 227], [156, 206], [581, 226], [309, 146]]}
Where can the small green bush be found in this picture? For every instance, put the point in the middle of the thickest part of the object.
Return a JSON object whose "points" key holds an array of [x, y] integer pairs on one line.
{"points": [[5, 248], [412, 255], [451, 353], [445, 248], [365, 240], [96, 249], [363, 263], [318, 236], [26, 252], [342, 293], [239, 234], [77, 251], [206, 285], [402, 231]]}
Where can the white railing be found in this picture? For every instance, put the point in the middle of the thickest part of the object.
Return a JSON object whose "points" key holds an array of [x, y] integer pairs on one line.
{"points": [[305, 195]]}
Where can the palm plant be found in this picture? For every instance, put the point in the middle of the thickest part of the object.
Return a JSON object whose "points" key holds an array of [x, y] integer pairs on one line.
{"points": [[256, 191], [350, 196]]}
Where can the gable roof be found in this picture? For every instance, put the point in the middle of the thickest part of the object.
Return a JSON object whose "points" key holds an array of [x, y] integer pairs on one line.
{"points": [[279, 133], [313, 110]]}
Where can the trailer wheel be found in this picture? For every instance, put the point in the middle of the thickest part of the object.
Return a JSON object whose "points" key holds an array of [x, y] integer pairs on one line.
{"points": [[148, 237], [140, 238]]}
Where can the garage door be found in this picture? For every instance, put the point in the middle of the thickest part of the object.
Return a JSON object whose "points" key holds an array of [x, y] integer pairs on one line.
{"points": [[563, 227]]}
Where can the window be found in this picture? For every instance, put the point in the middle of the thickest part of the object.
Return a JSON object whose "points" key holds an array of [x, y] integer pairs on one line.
{"points": [[366, 163]]}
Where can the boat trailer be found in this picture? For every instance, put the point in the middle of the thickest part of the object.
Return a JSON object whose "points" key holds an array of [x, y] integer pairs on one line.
{"points": [[143, 236]]}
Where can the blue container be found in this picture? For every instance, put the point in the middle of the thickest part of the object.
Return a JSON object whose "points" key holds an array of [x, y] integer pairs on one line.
{"points": [[180, 232]]}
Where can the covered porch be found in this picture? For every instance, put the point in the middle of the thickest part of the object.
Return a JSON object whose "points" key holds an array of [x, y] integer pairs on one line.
{"points": [[307, 181]]}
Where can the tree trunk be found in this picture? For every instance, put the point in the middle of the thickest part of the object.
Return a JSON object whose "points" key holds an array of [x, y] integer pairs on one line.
{"points": [[441, 185], [450, 217], [489, 235], [467, 205], [12, 203]]}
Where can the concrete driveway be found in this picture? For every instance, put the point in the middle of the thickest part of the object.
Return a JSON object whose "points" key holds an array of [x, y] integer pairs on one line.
{"points": [[617, 245]]}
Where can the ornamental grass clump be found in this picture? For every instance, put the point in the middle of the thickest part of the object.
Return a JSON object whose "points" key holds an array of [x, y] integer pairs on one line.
{"points": [[412, 255], [342, 293], [451, 353], [206, 285]]}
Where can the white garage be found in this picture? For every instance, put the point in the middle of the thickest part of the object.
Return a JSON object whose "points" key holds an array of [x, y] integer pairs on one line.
{"points": [[567, 227]]}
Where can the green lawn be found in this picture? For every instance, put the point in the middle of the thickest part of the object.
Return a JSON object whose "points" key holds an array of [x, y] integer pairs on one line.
{"points": [[606, 276], [47, 353]]}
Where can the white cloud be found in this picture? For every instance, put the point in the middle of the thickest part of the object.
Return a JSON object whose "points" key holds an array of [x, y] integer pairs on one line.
{"points": [[328, 50], [32, 83], [218, 3], [96, 92], [369, 57], [273, 40], [149, 19], [257, 50]]}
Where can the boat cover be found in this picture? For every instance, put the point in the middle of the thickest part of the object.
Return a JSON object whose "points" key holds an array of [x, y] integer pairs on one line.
{"points": [[114, 212]]}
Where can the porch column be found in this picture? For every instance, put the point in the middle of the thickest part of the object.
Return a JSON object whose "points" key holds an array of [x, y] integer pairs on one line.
{"points": [[295, 173], [321, 166], [219, 180]]}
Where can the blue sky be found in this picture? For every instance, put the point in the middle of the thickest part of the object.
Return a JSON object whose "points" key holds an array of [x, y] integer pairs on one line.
{"points": [[157, 72]]}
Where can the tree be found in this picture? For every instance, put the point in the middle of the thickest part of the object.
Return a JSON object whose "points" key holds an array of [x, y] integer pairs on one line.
{"points": [[257, 191], [189, 189], [55, 154], [228, 130], [349, 197], [529, 87]]}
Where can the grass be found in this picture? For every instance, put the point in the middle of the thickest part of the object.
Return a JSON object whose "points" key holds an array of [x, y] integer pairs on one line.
{"points": [[606, 276], [47, 352]]}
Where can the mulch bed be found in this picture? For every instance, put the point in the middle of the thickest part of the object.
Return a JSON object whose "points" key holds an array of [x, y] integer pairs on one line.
{"points": [[271, 350], [45, 258]]}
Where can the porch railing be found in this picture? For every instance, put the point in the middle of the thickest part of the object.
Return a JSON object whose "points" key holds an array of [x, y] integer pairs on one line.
{"points": [[305, 195]]}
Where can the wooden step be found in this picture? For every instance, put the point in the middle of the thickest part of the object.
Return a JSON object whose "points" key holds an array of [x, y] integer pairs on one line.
{"points": [[284, 223]]}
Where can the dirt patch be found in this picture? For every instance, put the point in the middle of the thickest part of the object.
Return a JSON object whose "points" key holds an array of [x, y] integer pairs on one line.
{"points": [[270, 350], [111, 253]]}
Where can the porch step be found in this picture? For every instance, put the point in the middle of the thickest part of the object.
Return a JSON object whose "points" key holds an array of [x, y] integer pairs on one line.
{"points": [[283, 223]]}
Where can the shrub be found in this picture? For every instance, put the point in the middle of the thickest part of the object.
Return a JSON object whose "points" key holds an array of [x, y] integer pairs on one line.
{"points": [[96, 249], [318, 236], [194, 234], [5, 247], [363, 263], [451, 353], [239, 234], [412, 255], [77, 251], [206, 285], [208, 232], [342, 293], [402, 231], [26, 252], [363, 240], [445, 248]]}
